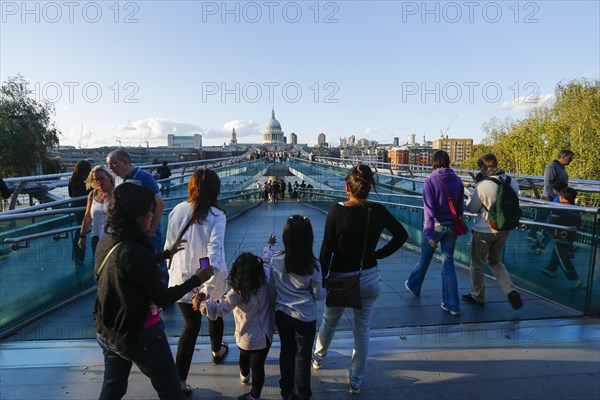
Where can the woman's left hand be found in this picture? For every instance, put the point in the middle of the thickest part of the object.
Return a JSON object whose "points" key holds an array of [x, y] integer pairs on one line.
{"points": [[433, 243], [178, 245]]}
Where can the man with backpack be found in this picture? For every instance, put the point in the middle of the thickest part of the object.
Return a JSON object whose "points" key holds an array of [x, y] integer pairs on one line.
{"points": [[496, 201]]}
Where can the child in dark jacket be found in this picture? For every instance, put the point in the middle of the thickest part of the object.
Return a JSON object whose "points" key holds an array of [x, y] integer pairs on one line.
{"points": [[547, 233], [563, 239]]}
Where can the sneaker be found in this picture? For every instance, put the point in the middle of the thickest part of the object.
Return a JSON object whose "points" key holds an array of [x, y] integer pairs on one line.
{"points": [[455, 313], [247, 396], [549, 273], [245, 380], [515, 300], [578, 284], [409, 289], [353, 389], [315, 364], [470, 299]]}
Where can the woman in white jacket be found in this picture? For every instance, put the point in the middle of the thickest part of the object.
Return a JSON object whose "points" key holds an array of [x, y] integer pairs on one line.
{"points": [[201, 222]]}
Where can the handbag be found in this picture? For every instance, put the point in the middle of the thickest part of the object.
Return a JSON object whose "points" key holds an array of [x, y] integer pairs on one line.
{"points": [[460, 226], [345, 292]]}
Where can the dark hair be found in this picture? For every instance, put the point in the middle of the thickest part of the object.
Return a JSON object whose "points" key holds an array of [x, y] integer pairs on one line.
{"points": [[81, 170], [567, 153], [440, 159], [247, 275], [203, 189], [569, 193], [130, 202], [298, 242], [487, 162], [360, 179], [559, 185]]}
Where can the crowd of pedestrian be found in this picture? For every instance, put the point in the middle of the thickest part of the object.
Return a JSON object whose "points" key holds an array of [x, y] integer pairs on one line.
{"points": [[278, 291]]}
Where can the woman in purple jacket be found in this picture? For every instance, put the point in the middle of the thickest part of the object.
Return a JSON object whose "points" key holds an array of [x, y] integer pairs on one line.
{"points": [[438, 228]]}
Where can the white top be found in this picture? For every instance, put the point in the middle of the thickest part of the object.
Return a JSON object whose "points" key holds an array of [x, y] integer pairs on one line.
{"points": [[203, 240], [296, 294], [98, 212]]}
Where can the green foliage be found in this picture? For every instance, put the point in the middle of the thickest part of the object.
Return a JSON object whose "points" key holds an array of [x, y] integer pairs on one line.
{"points": [[572, 122], [26, 130]]}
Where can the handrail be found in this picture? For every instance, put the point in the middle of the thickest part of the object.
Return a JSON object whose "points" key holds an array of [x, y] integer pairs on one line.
{"points": [[42, 206], [15, 243], [59, 211]]}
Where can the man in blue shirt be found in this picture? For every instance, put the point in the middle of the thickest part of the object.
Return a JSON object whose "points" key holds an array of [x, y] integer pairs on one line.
{"points": [[119, 162]]}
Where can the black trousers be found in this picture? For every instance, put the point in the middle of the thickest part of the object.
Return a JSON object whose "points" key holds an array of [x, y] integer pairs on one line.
{"points": [[254, 360], [297, 339], [192, 321]]}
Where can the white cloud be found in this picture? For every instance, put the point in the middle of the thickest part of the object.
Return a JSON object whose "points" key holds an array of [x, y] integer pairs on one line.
{"points": [[242, 128], [525, 103]]}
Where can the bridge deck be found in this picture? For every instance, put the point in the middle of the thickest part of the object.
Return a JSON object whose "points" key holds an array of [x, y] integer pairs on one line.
{"points": [[543, 350]]}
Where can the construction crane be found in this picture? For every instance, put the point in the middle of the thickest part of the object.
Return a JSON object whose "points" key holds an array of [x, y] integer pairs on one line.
{"points": [[445, 134], [119, 141]]}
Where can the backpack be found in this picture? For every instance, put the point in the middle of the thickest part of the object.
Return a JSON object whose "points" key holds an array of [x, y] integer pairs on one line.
{"points": [[505, 213]]}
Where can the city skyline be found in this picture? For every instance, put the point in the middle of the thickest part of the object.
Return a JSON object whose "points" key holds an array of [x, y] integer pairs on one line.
{"points": [[131, 73]]}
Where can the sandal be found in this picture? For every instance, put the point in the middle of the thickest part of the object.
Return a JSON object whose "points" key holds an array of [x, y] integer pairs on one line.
{"points": [[187, 392], [219, 359]]}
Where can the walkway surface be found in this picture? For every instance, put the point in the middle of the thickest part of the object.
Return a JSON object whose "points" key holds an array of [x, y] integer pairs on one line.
{"points": [[418, 351]]}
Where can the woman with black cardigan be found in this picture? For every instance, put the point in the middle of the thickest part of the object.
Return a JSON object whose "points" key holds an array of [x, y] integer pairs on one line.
{"points": [[129, 296]]}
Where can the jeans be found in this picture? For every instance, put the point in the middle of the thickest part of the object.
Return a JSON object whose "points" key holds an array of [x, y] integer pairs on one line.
{"points": [[561, 255], [151, 353], [297, 339], [446, 238], [370, 288], [490, 246]]}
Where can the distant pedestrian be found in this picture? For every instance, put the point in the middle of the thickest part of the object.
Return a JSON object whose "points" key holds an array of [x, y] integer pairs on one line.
{"points": [[555, 171], [119, 162], [77, 188], [102, 183], [4, 193], [439, 189], [488, 243], [164, 172], [563, 251]]}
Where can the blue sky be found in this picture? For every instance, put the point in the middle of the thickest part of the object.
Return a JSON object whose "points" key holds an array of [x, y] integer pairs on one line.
{"points": [[137, 71]]}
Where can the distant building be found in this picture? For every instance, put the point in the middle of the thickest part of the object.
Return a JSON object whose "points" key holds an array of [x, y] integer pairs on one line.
{"points": [[396, 141], [272, 134], [458, 149], [343, 142], [411, 140], [351, 141], [188, 142], [398, 155], [293, 139], [322, 140], [233, 140], [377, 154], [420, 155]]}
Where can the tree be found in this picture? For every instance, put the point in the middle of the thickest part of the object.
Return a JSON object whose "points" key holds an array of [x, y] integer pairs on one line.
{"points": [[572, 122], [26, 130]]}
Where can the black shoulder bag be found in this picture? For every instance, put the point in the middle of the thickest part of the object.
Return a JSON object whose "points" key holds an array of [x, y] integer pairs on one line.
{"points": [[345, 292]]}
